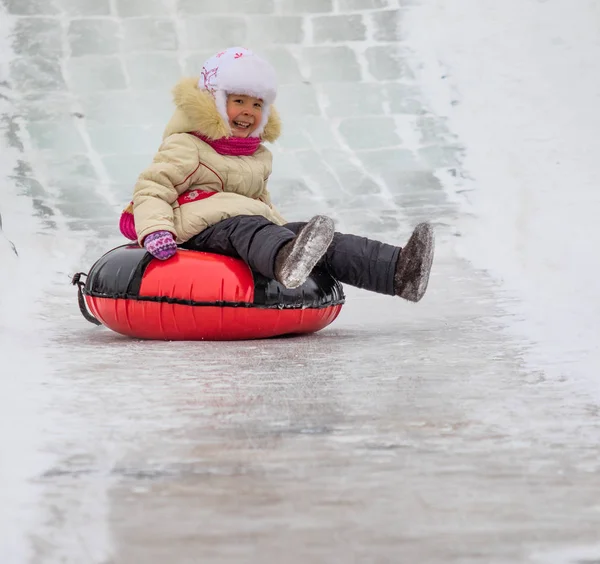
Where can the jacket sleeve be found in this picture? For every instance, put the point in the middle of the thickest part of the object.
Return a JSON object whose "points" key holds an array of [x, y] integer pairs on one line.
{"points": [[174, 168], [266, 198]]}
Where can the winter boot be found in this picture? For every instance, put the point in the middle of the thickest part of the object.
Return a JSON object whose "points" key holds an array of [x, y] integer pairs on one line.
{"points": [[295, 260], [414, 264]]}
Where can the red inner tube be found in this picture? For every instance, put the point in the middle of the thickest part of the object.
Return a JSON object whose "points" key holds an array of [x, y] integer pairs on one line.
{"points": [[203, 296]]}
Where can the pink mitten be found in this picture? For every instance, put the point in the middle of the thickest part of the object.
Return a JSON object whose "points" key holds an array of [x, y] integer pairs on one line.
{"points": [[160, 245]]}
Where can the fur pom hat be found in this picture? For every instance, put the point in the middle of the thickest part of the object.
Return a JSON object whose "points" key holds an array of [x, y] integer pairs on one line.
{"points": [[239, 71]]}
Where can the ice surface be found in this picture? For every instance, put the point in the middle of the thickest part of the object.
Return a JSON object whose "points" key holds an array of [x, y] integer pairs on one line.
{"points": [[91, 74], [369, 132], [149, 35], [298, 99], [143, 8], [310, 132], [404, 99], [345, 100], [228, 7], [286, 65], [462, 429], [46, 107], [124, 170], [270, 30], [149, 71], [110, 138], [332, 64], [442, 157], [338, 28], [36, 73], [75, 8], [38, 36], [206, 32], [105, 107], [386, 25], [389, 161], [154, 106], [352, 5], [94, 37], [31, 7], [433, 130], [353, 178], [74, 169], [64, 138], [387, 63], [305, 6]]}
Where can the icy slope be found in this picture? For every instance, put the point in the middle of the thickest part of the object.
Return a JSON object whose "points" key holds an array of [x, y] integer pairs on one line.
{"points": [[520, 85], [418, 431]]}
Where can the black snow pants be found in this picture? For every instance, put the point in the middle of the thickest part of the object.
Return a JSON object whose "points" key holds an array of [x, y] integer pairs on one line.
{"points": [[353, 260]]}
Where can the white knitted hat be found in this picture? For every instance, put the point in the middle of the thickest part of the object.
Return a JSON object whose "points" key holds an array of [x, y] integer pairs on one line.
{"points": [[239, 71]]}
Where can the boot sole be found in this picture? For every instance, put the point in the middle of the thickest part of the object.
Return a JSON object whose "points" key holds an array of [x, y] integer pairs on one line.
{"points": [[425, 237], [310, 245]]}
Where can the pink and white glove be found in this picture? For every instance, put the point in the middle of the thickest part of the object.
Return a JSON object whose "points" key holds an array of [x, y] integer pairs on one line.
{"points": [[160, 244]]}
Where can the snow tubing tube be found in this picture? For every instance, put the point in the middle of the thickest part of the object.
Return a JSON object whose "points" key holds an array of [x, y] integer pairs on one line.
{"points": [[202, 296]]}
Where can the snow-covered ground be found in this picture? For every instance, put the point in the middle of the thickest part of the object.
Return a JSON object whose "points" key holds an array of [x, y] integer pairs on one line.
{"points": [[21, 364], [519, 83], [464, 429]]}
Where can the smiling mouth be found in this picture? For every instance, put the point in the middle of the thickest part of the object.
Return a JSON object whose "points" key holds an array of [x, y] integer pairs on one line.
{"points": [[242, 124]]}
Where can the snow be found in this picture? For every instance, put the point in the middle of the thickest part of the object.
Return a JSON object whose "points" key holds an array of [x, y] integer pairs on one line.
{"points": [[31, 259], [16, 409], [519, 84], [462, 429]]}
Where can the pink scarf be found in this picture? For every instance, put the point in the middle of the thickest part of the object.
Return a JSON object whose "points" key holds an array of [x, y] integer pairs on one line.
{"points": [[234, 146]]}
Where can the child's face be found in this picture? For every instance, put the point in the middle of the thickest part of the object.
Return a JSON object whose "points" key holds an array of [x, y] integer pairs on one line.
{"points": [[244, 113]]}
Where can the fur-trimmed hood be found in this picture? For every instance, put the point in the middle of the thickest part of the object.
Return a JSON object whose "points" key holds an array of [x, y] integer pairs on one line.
{"points": [[196, 111]]}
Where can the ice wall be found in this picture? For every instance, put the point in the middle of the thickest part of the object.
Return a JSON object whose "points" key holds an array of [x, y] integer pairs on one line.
{"points": [[93, 82]]}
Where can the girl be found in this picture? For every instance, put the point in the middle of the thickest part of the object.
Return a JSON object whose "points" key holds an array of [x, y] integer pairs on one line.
{"points": [[206, 190]]}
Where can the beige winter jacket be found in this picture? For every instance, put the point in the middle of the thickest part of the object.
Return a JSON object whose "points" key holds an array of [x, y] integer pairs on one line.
{"points": [[185, 164]]}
